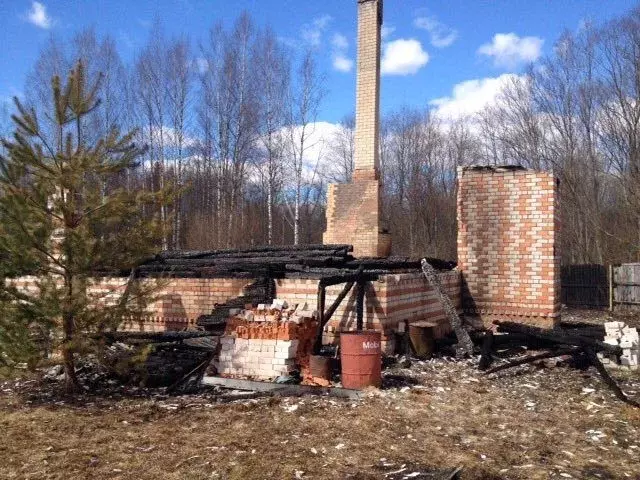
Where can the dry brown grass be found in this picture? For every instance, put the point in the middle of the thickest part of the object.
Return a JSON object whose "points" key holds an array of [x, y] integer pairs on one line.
{"points": [[530, 426]]}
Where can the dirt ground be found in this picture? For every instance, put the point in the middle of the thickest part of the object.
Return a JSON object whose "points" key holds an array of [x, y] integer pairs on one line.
{"points": [[534, 422]]}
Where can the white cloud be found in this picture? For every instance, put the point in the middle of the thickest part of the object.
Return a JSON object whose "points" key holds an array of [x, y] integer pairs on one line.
{"points": [[315, 162], [440, 35], [387, 30], [38, 16], [509, 50], [471, 96], [403, 57], [202, 64], [169, 137], [342, 63], [312, 32], [340, 42]]}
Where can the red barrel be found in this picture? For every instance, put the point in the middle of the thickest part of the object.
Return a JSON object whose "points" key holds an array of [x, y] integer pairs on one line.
{"points": [[361, 359]]}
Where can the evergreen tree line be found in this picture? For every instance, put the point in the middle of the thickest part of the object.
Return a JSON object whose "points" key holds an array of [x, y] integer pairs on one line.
{"points": [[230, 120]]}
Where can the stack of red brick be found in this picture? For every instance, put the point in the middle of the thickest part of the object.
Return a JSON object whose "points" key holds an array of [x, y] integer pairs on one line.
{"points": [[268, 341]]}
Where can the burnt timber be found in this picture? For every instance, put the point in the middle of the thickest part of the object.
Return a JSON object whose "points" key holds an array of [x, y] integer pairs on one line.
{"points": [[332, 264], [329, 264]]}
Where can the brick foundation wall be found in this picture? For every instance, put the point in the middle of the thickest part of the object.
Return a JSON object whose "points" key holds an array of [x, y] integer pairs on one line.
{"points": [[508, 245], [389, 302], [178, 301]]}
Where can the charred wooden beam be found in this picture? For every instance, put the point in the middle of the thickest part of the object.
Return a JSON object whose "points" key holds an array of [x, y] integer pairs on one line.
{"points": [[156, 337], [465, 344], [617, 391], [334, 306], [262, 249], [533, 358], [325, 316], [361, 286], [350, 277], [558, 336], [400, 263], [322, 297]]}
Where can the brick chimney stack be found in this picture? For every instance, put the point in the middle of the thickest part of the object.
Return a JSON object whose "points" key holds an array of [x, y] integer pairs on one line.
{"points": [[353, 209], [367, 139]]}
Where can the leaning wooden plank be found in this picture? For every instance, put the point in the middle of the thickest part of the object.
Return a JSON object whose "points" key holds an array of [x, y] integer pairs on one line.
{"points": [[464, 340], [252, 385]]}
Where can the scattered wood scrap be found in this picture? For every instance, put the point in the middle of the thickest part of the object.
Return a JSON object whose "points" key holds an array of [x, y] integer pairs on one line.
{"points": [[176, 360], [574, 341]]}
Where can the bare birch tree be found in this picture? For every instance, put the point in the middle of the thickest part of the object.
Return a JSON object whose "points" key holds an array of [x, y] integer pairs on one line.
{"points": [[273, 74], [307, 94]]}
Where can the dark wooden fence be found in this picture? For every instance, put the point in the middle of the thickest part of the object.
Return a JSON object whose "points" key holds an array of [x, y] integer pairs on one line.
{"points": [[584, 285]]}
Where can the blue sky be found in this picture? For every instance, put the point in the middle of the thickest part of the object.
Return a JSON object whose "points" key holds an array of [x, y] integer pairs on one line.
{"points": [[454, 52]]}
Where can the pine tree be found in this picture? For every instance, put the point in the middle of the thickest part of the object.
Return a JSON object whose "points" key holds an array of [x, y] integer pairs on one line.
{"points": [[64, 220]]}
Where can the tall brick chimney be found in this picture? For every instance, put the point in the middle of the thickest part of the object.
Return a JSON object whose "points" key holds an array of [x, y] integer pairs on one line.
{"points": [[353, 209]]}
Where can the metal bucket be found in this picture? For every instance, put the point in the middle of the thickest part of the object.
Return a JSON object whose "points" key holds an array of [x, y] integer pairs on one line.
{"points": [[361, 359], [320, 367]]}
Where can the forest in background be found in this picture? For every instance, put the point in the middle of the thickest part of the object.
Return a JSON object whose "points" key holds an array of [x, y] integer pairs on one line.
{"points": [[231, 119]]}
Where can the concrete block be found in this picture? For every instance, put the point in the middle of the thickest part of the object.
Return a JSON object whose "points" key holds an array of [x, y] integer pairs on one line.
{"points": [[283, 355], [628, 343], [279, 304], [614, 325]]}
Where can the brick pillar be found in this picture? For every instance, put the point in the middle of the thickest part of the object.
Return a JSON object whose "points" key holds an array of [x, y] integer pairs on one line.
{"points": [[353, 209], [509, 244], [367, 161]]}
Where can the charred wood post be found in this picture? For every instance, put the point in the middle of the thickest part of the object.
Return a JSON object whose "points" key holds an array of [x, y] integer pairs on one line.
{"points": [[322, 297], [361, 285], [487, 345], [326, 316], [465, 344]]}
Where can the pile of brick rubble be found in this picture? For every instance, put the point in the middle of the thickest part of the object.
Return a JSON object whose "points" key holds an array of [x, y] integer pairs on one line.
{"points": [[619, 334], [268, 341]]}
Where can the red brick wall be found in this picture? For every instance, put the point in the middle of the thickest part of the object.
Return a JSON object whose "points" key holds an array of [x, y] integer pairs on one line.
{"points": [[390, 301], [508, 244], [178, 301]]}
